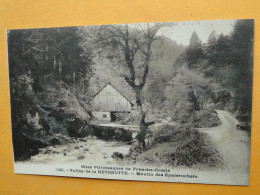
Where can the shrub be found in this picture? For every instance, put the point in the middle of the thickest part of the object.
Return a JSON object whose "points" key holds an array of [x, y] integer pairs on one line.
{"points": [[204, 119], [179, 146]]}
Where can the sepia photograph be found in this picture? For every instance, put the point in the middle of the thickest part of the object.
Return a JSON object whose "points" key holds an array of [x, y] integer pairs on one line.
{"points": [[166, 101]]}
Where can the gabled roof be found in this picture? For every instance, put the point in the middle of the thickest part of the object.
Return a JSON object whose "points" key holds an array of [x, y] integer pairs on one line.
{"points": [[115, 89]]}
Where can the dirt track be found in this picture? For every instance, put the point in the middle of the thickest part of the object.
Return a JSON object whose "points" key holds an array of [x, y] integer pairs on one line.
{"points": [[233, 144]]}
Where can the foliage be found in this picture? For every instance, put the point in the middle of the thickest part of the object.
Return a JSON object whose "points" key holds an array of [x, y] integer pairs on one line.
{"points": [[155, 90], [187, 92], [242, 40], [44, 51], [194, 51], [44, 64], [179, 146], [226, 60], [205, 119]]}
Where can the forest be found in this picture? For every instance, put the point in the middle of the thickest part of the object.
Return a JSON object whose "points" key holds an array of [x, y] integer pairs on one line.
{"points": [[176, 89]]}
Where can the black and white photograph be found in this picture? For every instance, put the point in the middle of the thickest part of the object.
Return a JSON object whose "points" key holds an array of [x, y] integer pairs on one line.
{"points": [[166, 101]]}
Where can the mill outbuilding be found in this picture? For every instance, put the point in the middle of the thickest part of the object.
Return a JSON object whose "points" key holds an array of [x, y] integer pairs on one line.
{"points": [[109, 102]]}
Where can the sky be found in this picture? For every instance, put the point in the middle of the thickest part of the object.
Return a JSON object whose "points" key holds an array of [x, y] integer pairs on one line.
{"points": [[182, 31]]}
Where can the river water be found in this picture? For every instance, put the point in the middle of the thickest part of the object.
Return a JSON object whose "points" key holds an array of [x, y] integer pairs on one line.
{"points": [[86, 150], [234, 146]]}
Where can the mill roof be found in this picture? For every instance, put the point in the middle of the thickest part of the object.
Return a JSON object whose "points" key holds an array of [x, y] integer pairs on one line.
{"points": [[115, 89]]}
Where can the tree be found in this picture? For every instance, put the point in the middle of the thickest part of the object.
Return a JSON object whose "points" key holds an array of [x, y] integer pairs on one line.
{"points": [[219, 56], [187, 92], [242, 40], [75, 68], [129, 47], [194, 51], [231, 57], [194, 40], [212, 37], [45, 51], [154, 90]]}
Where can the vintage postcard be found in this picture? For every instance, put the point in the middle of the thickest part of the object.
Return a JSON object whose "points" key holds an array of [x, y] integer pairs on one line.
{"points": [[168, 102]]}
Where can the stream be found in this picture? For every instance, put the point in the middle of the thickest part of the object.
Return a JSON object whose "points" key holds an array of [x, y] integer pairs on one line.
{"points": [[86, 150]]}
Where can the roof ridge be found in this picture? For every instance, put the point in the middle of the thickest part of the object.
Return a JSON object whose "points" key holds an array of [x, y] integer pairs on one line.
{"points": [[109, 83]]}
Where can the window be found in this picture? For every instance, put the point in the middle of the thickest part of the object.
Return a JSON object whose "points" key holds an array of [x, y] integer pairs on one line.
{"points": [[104, 116]]}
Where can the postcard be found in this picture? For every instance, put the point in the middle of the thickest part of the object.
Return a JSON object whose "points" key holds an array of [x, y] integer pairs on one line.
{"points": [[166, 102]]}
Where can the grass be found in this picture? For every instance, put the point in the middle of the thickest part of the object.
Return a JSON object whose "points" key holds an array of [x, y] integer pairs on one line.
{"points": [[180, 146]]}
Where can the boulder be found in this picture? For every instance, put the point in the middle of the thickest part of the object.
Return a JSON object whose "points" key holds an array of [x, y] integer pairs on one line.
{"points": [[55, 141], [62, 104], [117, 155], [80, 157]]}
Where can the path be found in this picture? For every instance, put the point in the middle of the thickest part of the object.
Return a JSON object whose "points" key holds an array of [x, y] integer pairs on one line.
{"points": [[233, 144]]}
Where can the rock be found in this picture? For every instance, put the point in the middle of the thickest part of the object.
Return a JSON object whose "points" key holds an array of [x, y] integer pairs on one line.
{"points": [[76, 147], [37, 88], [111, 133], [62, 104], [27, 147], [85, 149], [33, 143], [81, 146], [45, 126], [117, 155], [65, 154], [80, 157], [46, 152], [55, 141]]}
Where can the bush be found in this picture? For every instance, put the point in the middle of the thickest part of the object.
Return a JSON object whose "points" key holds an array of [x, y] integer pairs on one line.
{"points": [[132, 119], [205, 119], [179, 146]]}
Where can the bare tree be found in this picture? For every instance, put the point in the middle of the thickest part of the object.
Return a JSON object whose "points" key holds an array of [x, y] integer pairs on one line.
{"points": [[129, 46]]}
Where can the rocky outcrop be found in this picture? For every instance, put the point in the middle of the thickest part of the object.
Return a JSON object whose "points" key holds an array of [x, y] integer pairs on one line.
{"points": [[112, 133], [76, 125], [25, 147]]}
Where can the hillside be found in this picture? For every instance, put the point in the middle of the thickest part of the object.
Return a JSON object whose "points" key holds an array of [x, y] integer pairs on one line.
{"points": [[46, 115], [165, 53]]}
